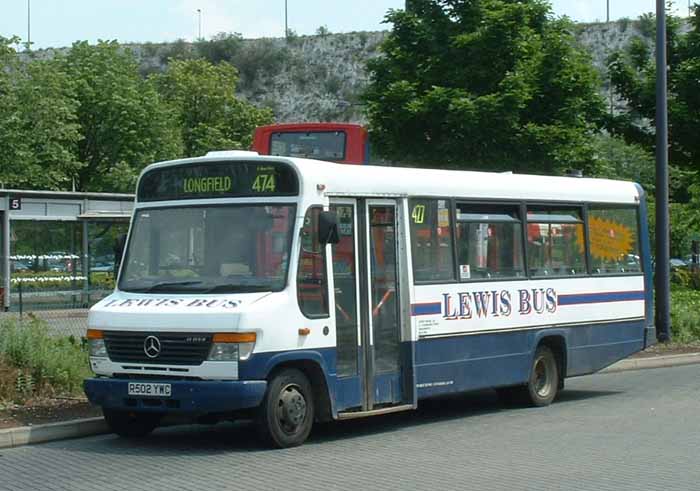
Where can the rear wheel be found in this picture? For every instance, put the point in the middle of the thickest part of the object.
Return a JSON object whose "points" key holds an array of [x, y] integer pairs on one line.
{"points": [[286, 415], [544, 378], [128, 424], [542, 386]]}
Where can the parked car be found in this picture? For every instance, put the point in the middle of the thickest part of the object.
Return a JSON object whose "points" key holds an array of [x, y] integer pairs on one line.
{"points": [[678, 263]]}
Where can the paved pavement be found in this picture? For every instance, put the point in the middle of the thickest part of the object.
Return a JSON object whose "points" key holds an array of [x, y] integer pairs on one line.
{"points": [[616, 431]]}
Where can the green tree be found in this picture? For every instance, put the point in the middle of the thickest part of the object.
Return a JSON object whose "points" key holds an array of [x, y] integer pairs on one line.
{"points": [[221, 47], [616, 159], [38, 127], [483, 84], [124, 123], [210, 116], [633, 73]]}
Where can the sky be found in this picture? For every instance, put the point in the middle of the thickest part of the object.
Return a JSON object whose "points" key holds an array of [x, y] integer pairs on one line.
{"points": [[56, 23]]}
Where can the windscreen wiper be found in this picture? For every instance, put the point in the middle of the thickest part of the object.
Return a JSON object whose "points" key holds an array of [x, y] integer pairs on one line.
{"points": [[167, 284], [237, 288]]}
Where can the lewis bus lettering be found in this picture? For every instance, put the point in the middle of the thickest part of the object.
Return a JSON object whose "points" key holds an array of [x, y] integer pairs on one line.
{"points": [[498, 303]]}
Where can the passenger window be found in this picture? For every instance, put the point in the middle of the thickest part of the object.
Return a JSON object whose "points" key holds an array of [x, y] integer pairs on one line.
{"points": [[555, 242], [613, 235], [489, 242], [431, 240], [312, 283], [345, 285]]}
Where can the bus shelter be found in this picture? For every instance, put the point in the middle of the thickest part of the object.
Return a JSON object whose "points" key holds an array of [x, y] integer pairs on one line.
{"points": [[58, 248]]}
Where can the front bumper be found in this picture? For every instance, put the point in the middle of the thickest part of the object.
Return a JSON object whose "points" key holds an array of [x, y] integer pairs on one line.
{"points": [[195, 396]]}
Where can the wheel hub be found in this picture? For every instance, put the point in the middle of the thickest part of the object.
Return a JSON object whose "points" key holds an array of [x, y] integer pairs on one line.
{"points": [[292, 408], [542, 379]]}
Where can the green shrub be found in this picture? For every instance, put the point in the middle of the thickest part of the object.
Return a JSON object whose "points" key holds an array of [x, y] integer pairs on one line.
{"points": [[41, 364], [685, 315]]}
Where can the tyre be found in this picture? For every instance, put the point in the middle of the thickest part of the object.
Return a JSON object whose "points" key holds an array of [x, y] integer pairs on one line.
{"points": [[286, 414], [128, 424], [541, 387]]}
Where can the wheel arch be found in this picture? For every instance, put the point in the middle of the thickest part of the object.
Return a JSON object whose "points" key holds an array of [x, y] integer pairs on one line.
{"points": [[314, 367], [555, 341]]}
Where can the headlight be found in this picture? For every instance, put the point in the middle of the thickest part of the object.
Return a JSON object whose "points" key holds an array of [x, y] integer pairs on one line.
{"points": [[232, 346], [223, 352], [96, 343]]}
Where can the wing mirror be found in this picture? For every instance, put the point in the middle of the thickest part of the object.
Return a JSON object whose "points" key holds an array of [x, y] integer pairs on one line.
{"points": [[328, 228]]}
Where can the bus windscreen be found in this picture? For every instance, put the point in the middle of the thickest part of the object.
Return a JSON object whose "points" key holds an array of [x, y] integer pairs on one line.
{"points": [[218, 180], [322, 145]]}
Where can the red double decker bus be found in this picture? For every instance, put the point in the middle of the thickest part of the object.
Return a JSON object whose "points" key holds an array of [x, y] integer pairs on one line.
{"points": [[345, 143]]}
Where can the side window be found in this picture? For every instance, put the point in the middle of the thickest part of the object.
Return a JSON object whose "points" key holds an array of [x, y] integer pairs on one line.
{"points": [[431, 240], [555, 242], [312, 284], [344, 283], [489, 242], [614, 240]]}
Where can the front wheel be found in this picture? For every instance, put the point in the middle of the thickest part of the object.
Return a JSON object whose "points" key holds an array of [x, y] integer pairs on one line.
{"points": [[286, 414], [128, 424]]}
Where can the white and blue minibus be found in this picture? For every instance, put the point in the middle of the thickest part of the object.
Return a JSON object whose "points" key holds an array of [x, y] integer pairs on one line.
{"points": [[290, 291]]}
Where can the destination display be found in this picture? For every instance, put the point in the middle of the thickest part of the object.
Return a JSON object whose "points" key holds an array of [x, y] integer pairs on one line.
{"points": [[218, 180]]}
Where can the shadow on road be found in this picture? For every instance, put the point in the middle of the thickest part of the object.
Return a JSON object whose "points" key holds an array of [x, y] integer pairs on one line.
{"points": [[242, 437]]}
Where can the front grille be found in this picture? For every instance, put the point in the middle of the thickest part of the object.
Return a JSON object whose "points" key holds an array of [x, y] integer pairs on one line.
{"points": [[176, 348]]}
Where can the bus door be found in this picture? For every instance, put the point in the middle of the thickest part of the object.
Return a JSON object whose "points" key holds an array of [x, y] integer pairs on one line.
{"points": [[368, 331]]}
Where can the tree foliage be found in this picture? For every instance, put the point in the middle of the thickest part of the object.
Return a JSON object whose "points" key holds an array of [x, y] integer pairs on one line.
{"points": [[483, 84], [88, 119], [203, 100], [633, 73], [38, 128], [123, 122]]}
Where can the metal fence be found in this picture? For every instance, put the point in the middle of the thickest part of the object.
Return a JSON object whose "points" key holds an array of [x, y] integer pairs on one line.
{"points": [[64, 310]]}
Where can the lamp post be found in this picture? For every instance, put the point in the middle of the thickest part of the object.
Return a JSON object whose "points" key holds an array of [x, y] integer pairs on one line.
{"points": [[199, 15], [29, 24], [286, 25], [663, 273], [607, 20]]}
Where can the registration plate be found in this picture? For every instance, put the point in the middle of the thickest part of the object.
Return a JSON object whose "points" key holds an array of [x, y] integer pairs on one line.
{"points": [[144, 389]]}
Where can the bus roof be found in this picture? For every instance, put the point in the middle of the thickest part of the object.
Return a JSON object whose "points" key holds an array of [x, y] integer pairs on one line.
{"points": [[310, 126], [370, 180]]}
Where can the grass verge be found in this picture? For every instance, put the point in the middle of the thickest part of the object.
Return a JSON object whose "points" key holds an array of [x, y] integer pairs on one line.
{"points": [[34, 364]]}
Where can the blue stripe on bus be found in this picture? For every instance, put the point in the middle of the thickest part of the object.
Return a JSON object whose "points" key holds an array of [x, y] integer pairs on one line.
{"points": [[426, 308], [601, 297]]}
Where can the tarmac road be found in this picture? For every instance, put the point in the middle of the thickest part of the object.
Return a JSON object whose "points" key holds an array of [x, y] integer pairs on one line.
{"points": [[615, 431]]}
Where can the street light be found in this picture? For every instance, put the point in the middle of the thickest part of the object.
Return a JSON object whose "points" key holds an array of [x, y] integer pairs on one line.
{"points": [[663, 273], [199, 14], [29, 24], [286, 26]]}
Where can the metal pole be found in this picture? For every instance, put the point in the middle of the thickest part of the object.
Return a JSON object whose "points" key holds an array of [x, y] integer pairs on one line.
{"points": [[607, 17], [29, 24], [286, 25], [663, 286], [86, 261], [199, 14], [6, 253]]}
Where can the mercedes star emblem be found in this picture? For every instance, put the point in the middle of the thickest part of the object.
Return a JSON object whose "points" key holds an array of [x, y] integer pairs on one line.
{"points": [[151, 346]]}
